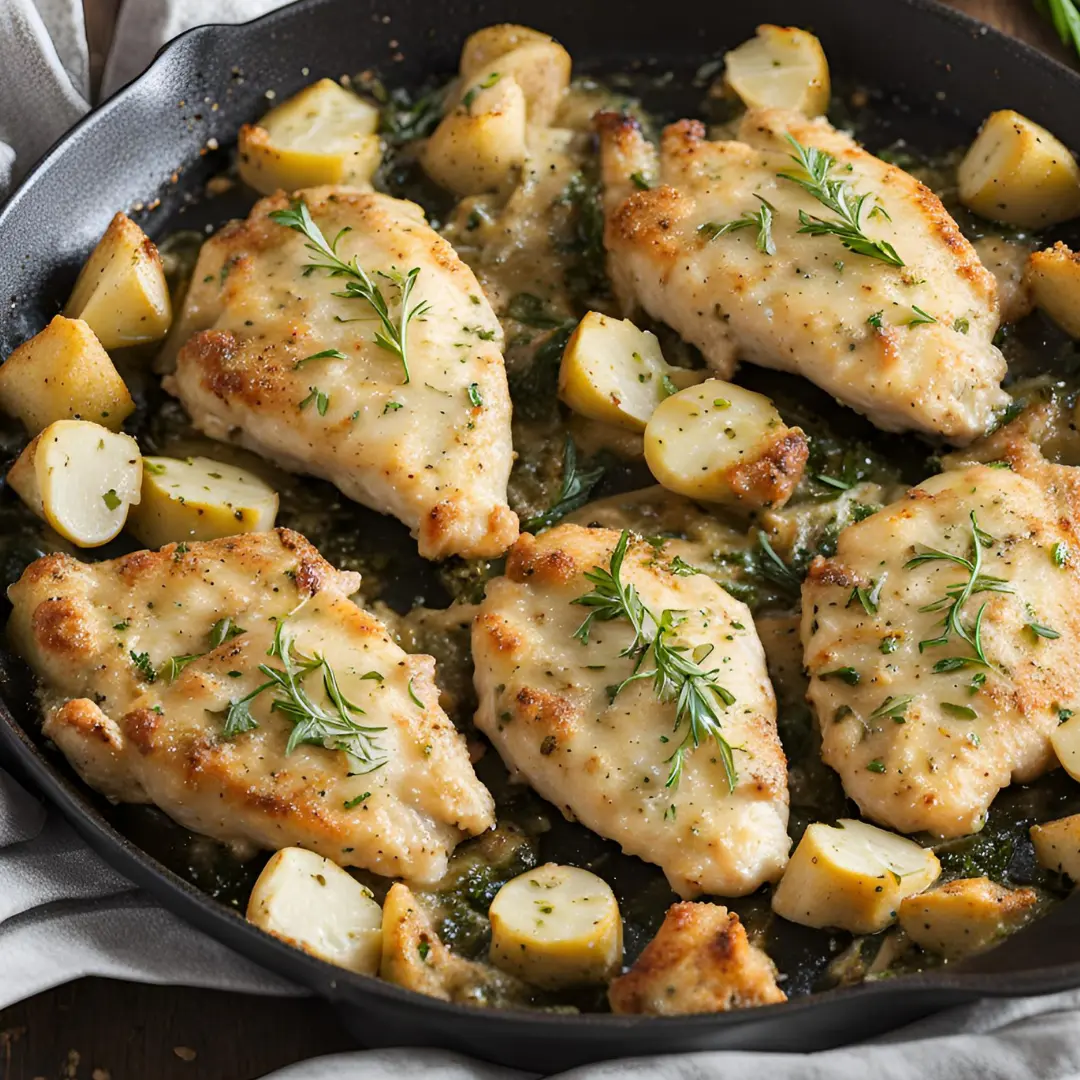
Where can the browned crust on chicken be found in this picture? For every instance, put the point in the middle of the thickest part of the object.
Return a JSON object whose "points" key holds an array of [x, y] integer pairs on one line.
{"points": [[700, 961]]}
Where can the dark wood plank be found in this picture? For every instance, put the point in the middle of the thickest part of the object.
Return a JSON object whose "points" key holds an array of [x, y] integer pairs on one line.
{"points": [[99, 1029]]}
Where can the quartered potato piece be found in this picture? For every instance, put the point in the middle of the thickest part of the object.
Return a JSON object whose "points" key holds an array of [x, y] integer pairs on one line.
{"points": [[556, 926], [81, 478], [537, 62], [782, 68], [1016, 171], [121, 291], [479, 144], [1057, 845], [614, 372], [965, 916], [721, 443], [852, 877], [63, 373], [199, 499], [323, 135], [1054, 278], [310, 902]]}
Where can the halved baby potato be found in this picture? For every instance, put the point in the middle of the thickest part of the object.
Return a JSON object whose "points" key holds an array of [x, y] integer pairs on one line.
{"points": [[121, 292], [557, 926], [1053, 276], [314, 905], [1017, 172], [852, 876], [614, 372], [718, 442], [199, 499], [965, 916], [323, 135], [536, 61], [63, 373], [1057, 846], [781, 68], [81, 478], [480, 143]]}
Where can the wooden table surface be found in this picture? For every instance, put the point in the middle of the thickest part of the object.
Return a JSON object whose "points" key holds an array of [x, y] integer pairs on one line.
{"points": [[99, 1029]]}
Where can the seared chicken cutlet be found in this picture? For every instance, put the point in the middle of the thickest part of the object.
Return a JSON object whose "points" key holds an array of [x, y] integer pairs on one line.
{"points": [[548, 703], [910, 345], [284, 363], [152, 666], [941, 642]]}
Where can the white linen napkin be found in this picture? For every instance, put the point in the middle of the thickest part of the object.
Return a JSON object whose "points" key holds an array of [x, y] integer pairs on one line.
{"points": [[65, 914]]}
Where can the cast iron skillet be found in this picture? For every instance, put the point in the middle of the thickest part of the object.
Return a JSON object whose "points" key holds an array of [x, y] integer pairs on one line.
{"points": [[940, 74]]}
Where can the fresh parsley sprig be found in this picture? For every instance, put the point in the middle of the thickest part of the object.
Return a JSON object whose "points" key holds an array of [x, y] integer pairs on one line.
{"points": [[956, 596], [837, 196], [677, 674], [761, 219], [393, 335], [577, 486]]}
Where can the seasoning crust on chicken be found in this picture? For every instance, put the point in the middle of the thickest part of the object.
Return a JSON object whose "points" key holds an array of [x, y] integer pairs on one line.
{"points": [[137, 696], [277, 359], [546, 704], [924, 717], [910, 346]]}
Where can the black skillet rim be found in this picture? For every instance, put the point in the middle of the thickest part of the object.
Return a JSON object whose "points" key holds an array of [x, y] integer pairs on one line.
{"points": [[231, 929]]}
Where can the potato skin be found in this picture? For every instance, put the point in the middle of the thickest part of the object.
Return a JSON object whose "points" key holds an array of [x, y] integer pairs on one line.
{"points": [[479, 145], [1054, 279], [63, 373], [536, 61], [1018, 172], [121, 291]]}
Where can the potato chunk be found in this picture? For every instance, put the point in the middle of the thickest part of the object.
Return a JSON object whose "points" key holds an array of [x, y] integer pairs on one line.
{"points": [[1054, 278], [556, 926], [1066, 743], [323, 135], [81, 478], [199, 499], [478, 145], [537, 62], [120, 292], [720, 443], [613, 372], [699, 962], [965, 916], [63, 373], [1016, 171], [1057, 846], [781, 68], [314, 905], [852, 877]]}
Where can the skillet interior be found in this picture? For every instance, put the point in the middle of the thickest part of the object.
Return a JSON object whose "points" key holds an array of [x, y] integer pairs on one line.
{"points": [[125, 155]]}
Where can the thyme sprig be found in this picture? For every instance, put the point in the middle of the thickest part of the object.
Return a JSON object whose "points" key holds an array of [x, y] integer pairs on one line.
{"points": [[577, 486], [677, 674], [761, 219], [393, 335], [956, 596], [837, 196], [335, 728]]}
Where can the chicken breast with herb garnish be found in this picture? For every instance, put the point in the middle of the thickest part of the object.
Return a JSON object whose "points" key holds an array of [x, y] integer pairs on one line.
{"points": [[235, 685], [874, 294], [555, 649], [941, 641], [284, 351]]}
